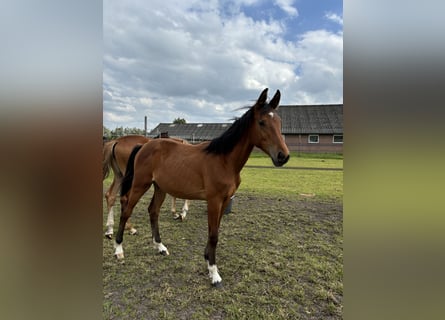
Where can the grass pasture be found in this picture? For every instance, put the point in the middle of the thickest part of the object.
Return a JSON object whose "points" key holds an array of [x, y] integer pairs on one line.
{"points": [[279, 252]]}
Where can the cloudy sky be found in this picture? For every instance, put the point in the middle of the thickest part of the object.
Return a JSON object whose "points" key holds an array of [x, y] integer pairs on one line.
{"points": [[201, 60]]}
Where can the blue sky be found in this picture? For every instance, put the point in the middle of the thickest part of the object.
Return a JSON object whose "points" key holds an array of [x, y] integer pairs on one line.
{"points": [[310, 15], [201, 60]]}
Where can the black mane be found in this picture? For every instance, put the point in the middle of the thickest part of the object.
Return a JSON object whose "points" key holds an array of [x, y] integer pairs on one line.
{"points": [[225, 143]]}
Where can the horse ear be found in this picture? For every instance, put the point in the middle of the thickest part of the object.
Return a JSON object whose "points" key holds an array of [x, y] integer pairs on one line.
{"points": [[275, 100], [263, 97]]}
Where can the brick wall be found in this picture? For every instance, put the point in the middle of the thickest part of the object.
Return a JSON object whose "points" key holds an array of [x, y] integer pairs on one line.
{"points": [[325, 144]]}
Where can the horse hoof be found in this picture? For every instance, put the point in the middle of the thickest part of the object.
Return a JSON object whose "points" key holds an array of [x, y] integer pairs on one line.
{"points": [[182, 218], [133, 231], [109, 236], [217, 285], [176, 217], [164, 253], [119, 256]]}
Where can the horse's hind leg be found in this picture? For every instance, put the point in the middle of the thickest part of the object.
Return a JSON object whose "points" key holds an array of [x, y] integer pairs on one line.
{"points": [[130, 228], [110, 196], [128, 202], [173, 208], [153, 210], [185, 209]]}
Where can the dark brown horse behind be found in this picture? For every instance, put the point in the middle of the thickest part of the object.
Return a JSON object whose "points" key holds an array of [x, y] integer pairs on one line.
{"points": [[208, 171], [115, 157]]}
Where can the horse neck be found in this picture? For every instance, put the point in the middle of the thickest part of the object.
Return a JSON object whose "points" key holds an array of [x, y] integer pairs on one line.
{"points": [[240, 153]]}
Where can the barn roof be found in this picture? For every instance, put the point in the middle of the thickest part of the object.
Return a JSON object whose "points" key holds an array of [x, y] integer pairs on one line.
{"points": [[311, 119], [191, 131], [296, 119]]}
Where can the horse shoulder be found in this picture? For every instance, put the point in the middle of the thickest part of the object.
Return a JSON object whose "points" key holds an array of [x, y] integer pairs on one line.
{"points": [[216, 175]]}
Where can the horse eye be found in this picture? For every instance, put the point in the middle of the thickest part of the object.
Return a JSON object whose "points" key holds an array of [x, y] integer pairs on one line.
{"points": [[262, 123]]}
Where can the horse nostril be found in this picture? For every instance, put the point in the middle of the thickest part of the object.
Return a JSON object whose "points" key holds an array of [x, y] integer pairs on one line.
{"points": [[282, 158]]}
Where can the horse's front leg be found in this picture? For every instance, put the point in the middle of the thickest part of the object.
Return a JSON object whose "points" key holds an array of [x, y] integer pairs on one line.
{"points": [[128, 202], [214, 217]]}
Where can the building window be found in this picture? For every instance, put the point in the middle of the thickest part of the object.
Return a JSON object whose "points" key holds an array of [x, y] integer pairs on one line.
{"points": [[337, 138], [313, 138]]}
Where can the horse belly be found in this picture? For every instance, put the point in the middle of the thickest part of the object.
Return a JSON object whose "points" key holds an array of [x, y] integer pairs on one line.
{"points": [[184, 184]]}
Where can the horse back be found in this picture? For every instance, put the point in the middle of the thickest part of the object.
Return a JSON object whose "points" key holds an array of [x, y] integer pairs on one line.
{"points": [[124, 146]]}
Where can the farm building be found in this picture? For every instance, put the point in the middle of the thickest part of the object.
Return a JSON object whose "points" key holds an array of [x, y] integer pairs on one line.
{"points": [[306, 128], [313, 128], [192, 132]]}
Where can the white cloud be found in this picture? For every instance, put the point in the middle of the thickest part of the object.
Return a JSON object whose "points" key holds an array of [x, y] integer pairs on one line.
{"points": [[334, 17], [146, 101], [125, 108], [112, 117], [186, 59], [286, 6], [321, 68]]}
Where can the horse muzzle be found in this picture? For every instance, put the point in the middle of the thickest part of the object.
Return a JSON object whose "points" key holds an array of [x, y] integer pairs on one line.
{"points": [[280, 159]]}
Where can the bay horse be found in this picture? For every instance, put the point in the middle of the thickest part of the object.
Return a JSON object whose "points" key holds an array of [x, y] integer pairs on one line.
{"points": [[115, 156], [207, 171]]}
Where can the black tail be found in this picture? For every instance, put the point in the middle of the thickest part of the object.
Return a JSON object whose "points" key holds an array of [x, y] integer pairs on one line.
{"points": [[129, 171]]}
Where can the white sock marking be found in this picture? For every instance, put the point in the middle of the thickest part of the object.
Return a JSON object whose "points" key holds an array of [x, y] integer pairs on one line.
{"points": [[160, 247], [110, 222], [185, 208], [119, 252], [213, 273]]}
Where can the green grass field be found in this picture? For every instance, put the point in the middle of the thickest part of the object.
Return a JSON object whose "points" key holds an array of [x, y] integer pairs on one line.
{"points": [[279, 254], [294, 184]]}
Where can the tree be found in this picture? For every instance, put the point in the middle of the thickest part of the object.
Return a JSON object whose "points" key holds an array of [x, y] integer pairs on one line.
{"points": [[134, 130], [179, 121], [120, 131], [106, 133]]}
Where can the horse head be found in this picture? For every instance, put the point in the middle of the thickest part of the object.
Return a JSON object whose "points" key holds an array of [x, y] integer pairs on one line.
{"points": [[267, 129]]}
